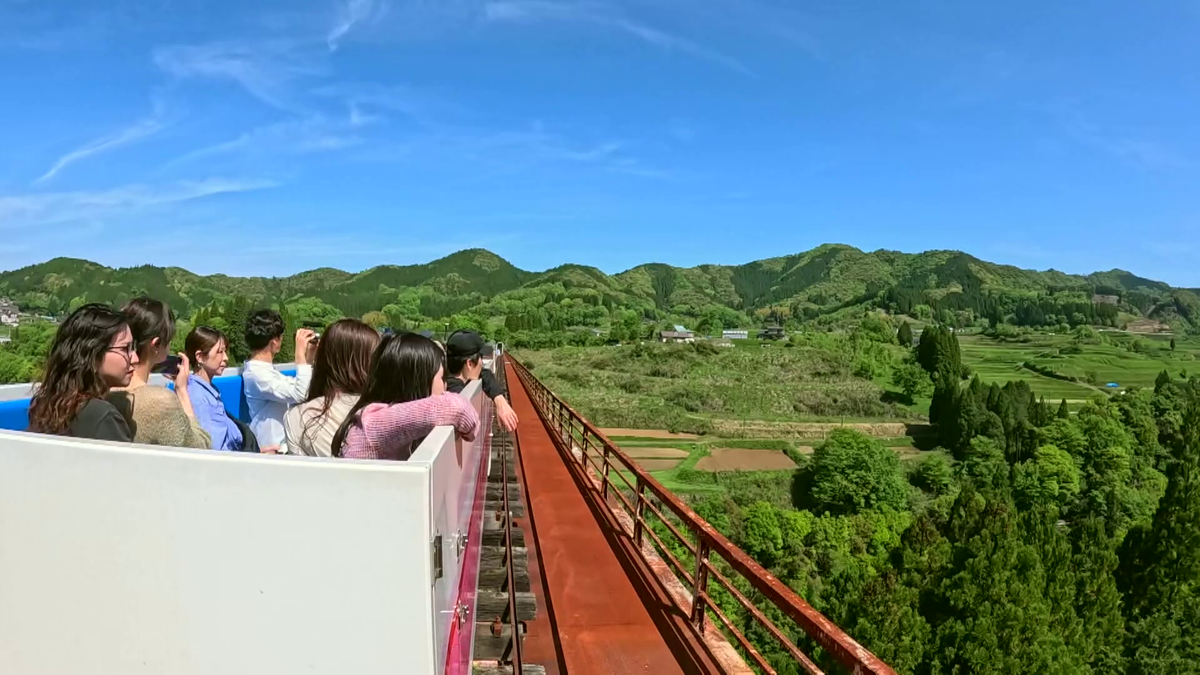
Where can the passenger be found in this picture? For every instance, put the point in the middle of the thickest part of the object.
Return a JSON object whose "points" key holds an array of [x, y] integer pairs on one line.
{"points": [[340, 373], [92, 352], [465, 350], [160, 416], [404, 400], [206, 349], [269, 392]]}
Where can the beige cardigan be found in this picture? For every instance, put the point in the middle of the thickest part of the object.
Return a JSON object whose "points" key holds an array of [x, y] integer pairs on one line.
{"points": [[158, 418]]}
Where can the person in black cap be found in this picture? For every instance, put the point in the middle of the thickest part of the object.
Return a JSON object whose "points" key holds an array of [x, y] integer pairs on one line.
{"points": [[465, 350]]}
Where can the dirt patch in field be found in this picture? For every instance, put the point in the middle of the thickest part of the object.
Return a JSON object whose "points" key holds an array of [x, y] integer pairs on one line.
{"points": [[646, 433], [660, 453], [765, 429], [741, 459], [658, 464], [805, 449]]}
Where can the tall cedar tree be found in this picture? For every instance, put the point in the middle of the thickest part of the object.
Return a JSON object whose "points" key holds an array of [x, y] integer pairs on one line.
{"points": [[1097, 599], [904, 335], [992, 610], [1064, 412], [1162, 568]]}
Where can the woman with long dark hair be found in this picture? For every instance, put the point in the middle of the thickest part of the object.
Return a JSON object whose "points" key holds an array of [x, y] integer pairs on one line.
{"points": [[404, 400], [160, 416], [92, 352], [340, 374]]}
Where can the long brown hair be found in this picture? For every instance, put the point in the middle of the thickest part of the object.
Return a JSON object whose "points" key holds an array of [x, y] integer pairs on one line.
{"points": [[402, 370], [72, 375], [343, 364]]}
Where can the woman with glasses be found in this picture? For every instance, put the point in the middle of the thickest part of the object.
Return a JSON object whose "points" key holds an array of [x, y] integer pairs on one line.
{"points": [[160, 416], [92, 352]]}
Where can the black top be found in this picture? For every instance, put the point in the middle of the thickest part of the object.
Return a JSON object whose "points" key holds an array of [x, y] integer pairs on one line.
{"points": [[491, 387], [101, 420]]}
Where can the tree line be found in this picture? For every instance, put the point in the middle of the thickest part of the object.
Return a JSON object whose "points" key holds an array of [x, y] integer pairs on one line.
{"points": [[1035, 540]]}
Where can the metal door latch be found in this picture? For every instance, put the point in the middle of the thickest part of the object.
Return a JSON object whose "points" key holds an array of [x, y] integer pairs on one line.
{"points": [[437, 557]]}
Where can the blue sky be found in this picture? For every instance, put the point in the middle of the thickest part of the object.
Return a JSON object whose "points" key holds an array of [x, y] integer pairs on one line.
{"points": [[273, 137]]}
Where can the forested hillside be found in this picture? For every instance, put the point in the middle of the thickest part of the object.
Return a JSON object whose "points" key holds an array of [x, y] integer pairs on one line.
{"points": [[478, 288]]}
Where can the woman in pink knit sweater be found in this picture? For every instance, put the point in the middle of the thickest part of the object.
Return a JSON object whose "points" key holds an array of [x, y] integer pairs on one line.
{"points": [[404, 400]]}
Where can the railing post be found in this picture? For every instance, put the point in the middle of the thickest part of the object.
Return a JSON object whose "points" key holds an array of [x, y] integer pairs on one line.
{"points": [[604, 474], [699, 606], [639, 510]]}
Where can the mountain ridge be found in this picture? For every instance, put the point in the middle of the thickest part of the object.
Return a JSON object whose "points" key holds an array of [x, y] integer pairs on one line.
{"points": [[806, 284]]}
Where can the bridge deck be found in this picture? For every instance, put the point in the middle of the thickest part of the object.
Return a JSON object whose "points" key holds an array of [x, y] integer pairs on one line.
{"points": [[607, 613]]}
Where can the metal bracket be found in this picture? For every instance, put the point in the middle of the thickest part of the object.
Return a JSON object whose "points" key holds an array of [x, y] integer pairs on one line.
{"points": [[437, 557], [460, 544], [461, 613]]}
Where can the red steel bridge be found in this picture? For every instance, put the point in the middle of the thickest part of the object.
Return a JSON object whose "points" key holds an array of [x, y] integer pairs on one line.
{"points": [[623, 575]]}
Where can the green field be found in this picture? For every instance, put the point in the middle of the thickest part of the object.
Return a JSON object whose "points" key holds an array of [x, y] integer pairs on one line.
{"points": [[1110, 359], [700, 388]]}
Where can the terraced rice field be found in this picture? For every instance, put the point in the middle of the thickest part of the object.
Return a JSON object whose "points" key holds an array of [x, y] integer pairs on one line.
{"points": [[646, 433], [655, 453], [1109, 362], [658, 464], [742, 459]]}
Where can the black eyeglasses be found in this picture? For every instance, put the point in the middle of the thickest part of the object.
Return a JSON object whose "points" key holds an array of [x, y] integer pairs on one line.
{"points": [[127, 351]]}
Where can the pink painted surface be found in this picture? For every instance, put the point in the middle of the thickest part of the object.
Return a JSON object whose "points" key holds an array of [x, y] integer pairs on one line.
{"points": [[462, 635]]}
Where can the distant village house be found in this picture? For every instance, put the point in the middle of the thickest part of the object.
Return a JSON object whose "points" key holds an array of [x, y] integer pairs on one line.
{"points": [[772, 333], [679, 334], [735, 334], [8, 313]]}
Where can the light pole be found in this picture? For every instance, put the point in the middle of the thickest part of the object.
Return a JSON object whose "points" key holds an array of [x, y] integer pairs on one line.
{"points": [[446, 336]]}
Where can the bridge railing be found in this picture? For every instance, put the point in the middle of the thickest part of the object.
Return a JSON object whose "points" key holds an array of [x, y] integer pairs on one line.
{"points": [[716, 560]]}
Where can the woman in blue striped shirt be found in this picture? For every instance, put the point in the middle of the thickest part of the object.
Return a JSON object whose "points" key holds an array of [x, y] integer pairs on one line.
{"points": [[205, 348]]}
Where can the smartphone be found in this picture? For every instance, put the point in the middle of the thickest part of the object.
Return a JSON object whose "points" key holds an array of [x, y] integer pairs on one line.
{"points": [[169, 367]]}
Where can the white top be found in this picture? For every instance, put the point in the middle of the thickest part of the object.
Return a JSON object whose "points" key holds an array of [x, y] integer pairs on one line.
{"points": [[316, 440], [270, 393]]}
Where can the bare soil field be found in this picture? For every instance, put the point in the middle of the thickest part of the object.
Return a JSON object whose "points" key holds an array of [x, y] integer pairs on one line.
{"points": [[741, 459], [659, 453], [658, 464], [646, 433]]}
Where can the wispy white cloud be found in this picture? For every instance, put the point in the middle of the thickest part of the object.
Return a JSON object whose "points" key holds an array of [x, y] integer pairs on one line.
{"points": [[533, 11], [366, 101], [287, 138], [350, 13], [266, 70], [1128, 146], [51, 208], [138, 131]]}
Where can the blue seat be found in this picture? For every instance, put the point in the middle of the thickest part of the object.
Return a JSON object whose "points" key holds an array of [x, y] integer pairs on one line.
{"points": [[14, 415]]}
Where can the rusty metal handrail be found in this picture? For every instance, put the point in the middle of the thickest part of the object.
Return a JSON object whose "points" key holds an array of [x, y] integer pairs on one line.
{"points": [[573, 428]]}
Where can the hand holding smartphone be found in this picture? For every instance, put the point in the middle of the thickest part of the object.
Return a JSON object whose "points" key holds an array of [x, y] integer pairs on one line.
{"points": [[169, 367]]}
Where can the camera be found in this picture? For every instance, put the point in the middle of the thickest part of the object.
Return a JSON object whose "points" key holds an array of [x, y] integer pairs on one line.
{"points": [[169, 367]]}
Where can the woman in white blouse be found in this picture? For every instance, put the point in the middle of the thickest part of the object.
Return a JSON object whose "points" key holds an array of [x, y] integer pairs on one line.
{"points": [[340, 372]]}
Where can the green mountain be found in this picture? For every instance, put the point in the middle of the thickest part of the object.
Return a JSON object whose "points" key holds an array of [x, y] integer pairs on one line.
{"points": [[821, 284]]}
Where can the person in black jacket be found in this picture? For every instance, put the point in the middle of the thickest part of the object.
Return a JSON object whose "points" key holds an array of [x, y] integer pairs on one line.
{"points": [[464, 362], [92, 352]]}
